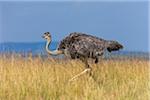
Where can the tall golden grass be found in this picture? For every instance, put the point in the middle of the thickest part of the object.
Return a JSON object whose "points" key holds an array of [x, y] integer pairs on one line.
{"points": [[47, 79]]}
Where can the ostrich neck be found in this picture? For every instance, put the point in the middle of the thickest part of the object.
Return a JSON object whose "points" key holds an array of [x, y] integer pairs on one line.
{"points": [[47, 47], [55, 52]]}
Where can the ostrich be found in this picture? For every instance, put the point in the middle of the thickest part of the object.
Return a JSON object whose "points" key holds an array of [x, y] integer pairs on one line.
{"points": [[82, 46]]}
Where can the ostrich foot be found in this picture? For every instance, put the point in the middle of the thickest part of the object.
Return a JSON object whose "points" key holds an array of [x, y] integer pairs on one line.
{"points": [[78, 75]]}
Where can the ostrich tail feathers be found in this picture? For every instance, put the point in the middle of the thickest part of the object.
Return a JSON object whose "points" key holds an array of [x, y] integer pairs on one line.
{"points": [[114, 46]]}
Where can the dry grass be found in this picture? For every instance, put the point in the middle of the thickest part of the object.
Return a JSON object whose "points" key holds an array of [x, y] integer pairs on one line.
{"points": [[47, 79]]}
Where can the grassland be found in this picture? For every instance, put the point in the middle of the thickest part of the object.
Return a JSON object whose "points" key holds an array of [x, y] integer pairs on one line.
{"points": [[47, 79]]}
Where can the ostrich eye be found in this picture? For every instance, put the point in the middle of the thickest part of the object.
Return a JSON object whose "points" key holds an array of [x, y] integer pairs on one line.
{"points": [[46, 33]]}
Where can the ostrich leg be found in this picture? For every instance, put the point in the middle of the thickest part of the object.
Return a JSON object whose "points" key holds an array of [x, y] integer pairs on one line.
{"points": [[88, 70]]}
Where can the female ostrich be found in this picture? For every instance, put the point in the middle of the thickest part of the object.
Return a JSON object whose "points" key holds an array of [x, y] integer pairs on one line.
{"points": [[82, 46]]}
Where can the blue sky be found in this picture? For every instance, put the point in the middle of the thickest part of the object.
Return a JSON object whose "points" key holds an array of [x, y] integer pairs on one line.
{"points": [[126, 22]]}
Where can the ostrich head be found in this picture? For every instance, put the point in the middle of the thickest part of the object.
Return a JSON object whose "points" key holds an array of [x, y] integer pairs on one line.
{"points": [[47, 36]]}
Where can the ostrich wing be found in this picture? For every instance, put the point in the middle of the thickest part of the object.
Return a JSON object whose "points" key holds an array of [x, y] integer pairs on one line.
{"points": [[79, 44]]}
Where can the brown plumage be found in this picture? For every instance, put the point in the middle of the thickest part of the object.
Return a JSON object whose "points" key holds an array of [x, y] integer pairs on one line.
{"points": [[87, 46], [82, 46]]}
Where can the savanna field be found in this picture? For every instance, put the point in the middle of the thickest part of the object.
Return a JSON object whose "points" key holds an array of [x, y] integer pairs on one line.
{"points": [[37, 78]]}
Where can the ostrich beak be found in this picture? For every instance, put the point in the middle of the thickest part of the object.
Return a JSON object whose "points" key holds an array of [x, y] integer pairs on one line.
{"points": [[42, 36]]}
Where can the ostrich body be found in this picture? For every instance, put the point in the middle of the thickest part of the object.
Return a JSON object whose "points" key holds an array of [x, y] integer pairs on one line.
{"points": [[82, 46]]}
